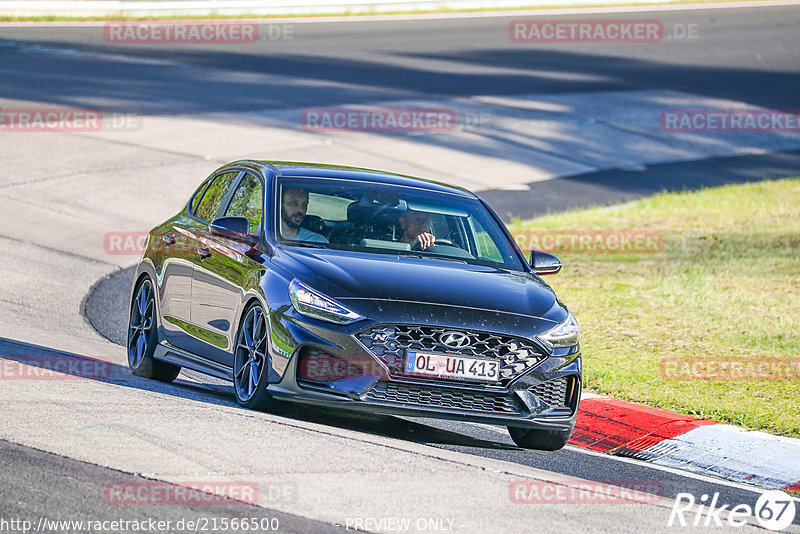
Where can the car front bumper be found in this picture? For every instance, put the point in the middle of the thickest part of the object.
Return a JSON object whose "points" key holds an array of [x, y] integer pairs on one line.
{"points": [[544, 396]]}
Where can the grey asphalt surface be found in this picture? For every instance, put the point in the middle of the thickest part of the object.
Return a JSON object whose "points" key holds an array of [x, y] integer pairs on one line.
{"points": [[80, 484], [621, 185], [751, 55], [41, 485]]}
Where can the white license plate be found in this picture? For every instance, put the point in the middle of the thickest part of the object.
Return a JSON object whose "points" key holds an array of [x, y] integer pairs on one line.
{"points": [[452, 367]]}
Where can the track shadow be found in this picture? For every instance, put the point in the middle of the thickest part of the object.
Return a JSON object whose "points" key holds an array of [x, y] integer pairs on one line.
{"points": [[568, 462], [24, 361], [143, 80], [131, 79], [613, 186]]}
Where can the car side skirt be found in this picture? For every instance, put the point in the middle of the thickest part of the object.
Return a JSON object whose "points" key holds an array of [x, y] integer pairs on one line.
{"points": [[168, 353]]}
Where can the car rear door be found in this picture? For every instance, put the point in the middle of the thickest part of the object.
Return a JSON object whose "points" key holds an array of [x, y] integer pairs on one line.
{"points": [[175, 277]]}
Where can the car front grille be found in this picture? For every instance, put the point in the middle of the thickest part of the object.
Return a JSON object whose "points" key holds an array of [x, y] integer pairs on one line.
{"points": [[391, 342], [553, 392], [436, 397]]}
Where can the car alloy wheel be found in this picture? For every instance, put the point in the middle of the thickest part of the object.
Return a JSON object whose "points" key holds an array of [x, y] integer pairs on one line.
{"points": [[251, 360], [143, 337]]}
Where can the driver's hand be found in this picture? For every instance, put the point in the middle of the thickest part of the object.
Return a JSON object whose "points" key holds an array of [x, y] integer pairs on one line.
{"points": [[426, 240]]}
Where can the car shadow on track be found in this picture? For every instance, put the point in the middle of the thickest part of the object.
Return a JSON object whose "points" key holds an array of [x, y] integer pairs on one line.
{"points": [[25, 361]]}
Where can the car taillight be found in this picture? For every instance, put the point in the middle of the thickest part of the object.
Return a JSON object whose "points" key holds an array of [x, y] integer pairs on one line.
{"points": [[319, 366]]}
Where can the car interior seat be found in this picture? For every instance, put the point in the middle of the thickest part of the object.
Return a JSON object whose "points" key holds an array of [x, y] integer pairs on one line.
{"points": [[315, 224]]}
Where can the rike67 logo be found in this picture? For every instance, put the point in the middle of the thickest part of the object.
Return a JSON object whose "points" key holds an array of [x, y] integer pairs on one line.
{"points": [[774, 510]]}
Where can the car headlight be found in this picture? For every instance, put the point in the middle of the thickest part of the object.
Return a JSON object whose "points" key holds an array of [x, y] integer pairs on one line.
{"points": [[314, 304], [563, 335]]}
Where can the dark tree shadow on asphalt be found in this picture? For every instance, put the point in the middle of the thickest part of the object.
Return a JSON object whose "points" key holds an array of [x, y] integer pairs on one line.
{"points": [[613, 186], [156, 81], [101, 73]]}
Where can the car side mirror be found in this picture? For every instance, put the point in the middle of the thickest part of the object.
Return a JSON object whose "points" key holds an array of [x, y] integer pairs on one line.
{"points": [[544, 263], [233, 228]]}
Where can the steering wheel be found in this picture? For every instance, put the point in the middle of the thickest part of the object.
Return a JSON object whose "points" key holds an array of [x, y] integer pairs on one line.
{"points": [[416, 245]]}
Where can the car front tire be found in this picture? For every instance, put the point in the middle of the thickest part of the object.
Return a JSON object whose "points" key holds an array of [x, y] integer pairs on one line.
{"points": [[143, 337], [251, 361], [539, 439]]}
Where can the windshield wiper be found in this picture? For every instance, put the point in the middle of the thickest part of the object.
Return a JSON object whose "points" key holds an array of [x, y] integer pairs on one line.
{"points": [[435, 257], [307, 244], [449, 259]]}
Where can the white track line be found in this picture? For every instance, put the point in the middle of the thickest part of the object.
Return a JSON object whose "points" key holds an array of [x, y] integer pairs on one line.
{"points": [[679, 472], [642, 463]]}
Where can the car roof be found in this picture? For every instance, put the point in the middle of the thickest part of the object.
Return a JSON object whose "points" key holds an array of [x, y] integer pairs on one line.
{"points": [[321, 170]]}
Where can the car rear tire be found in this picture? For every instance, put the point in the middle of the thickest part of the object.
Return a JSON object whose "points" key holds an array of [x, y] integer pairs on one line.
{"points": [[143, 337], [251, 361], [539, 439]]}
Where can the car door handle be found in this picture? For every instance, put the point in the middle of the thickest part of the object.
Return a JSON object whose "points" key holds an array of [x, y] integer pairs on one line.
{"points": [[204, 253], [168, 240]]}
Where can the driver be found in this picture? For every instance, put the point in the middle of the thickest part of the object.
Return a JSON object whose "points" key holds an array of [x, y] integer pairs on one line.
{"points": [[294, 205], [415, 226]]}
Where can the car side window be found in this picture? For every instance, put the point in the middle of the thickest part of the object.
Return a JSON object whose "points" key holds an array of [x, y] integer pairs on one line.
{"points": [[209, 206], [197, 196], [248, 201]]}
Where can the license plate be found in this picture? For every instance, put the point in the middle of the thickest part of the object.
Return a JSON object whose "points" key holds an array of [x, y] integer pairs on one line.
{"points": [[452, 367]]}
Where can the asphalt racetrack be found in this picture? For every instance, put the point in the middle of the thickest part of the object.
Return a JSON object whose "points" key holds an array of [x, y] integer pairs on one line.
{"points": [[192, 108]]}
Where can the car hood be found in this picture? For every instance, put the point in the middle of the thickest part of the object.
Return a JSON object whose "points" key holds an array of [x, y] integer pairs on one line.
{"points": [[347, 275]]}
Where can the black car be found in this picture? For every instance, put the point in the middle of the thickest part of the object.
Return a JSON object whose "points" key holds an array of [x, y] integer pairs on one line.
{"points": [[351, 288]]}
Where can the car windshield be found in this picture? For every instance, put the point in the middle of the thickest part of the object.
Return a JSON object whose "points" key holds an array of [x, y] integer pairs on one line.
{"points": [[389, 219]]}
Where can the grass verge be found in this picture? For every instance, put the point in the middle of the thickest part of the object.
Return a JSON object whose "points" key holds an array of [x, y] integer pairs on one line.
{"points": [[725, 289]]}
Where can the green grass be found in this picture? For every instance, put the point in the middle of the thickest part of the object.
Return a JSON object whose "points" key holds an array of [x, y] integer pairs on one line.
{"points": [[726, 285]]}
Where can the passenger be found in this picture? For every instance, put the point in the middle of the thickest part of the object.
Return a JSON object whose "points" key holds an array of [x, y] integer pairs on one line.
{"points": [[416, 227], [294, 205]]}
